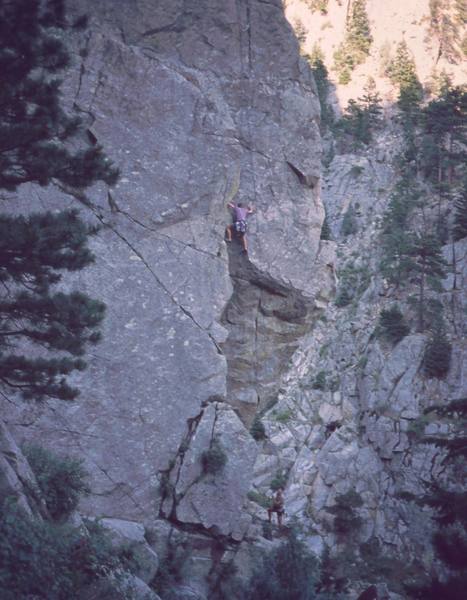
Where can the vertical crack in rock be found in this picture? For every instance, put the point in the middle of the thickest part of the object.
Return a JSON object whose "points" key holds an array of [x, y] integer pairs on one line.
{"points": [[171, 496], [265, 321], [171, 476]]}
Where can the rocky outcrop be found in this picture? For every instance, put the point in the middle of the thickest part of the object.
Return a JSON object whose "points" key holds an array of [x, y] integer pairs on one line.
{"points": [[131, 536], [17, 481], [198, 104], [351, 409]]}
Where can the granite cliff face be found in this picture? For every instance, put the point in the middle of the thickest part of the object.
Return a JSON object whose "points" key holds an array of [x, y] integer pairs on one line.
{"points": [[201, 102], [198, 103]]}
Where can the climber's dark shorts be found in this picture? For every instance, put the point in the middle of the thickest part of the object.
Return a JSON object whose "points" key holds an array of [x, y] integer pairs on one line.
{"points": [[240, 227]]}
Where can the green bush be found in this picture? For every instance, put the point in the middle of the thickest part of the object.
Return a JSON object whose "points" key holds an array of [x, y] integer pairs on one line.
{"points": [[214, 459], [62, 480], [346, 520], [392, 325], [257, 429], [325, 229], [259, 498], [279, 481], [437, 356], [289, 572], [319, 382], [460, 218], [349, 224], [318, 5], [353, 282], [343, 297], [171, 570], [49, 561], [284, 416]]}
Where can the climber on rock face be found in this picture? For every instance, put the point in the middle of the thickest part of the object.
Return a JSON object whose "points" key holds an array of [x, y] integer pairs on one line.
{"points": [[277, 506], [239, 226]]}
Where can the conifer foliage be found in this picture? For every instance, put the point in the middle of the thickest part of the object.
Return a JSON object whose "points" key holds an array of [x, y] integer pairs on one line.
{"points": [[443, 136], [443, 28], [289, 572], [460, 218], [34, 250], [357, 42], [437, 355], [361, 116], [34, 128], [43, 332], [392, 324], [449, 503], [402, 72], [320, 73]]}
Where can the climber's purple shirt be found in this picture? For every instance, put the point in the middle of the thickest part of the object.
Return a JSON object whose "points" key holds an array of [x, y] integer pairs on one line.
{"points": [[240, 213]]}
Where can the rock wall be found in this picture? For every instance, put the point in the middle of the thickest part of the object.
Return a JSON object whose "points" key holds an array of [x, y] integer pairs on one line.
{"points": [[351, 411], [198, 103], [201, 102]]}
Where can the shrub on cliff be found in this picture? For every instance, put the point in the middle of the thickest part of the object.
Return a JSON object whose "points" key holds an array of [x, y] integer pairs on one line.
{"points": [[257, 429], [214, 459], [392, 325], [290, 572], [437, 355], [62, 480], [346, 518], [349, 224], [48, 561]]}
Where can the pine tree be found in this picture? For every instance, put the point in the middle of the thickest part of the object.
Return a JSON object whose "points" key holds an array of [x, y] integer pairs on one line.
{"points": [[428, 265], [460, 11], [361, 116], [34, 129], [449, 501], [43, 332], [402, 71], [444, 28], [397, 261], [320, 73], [460, 218], [356, 44], [358, 31], [371, 102], [443, 140], [437, 355], [34, 251]]}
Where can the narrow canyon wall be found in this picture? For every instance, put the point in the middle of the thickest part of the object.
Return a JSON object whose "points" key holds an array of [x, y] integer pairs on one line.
{"points": [[198, 103]]}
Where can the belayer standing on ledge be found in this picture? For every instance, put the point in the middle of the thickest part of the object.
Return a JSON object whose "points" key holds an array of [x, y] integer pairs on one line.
{"points": [[277, 506], [239, 226]]}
